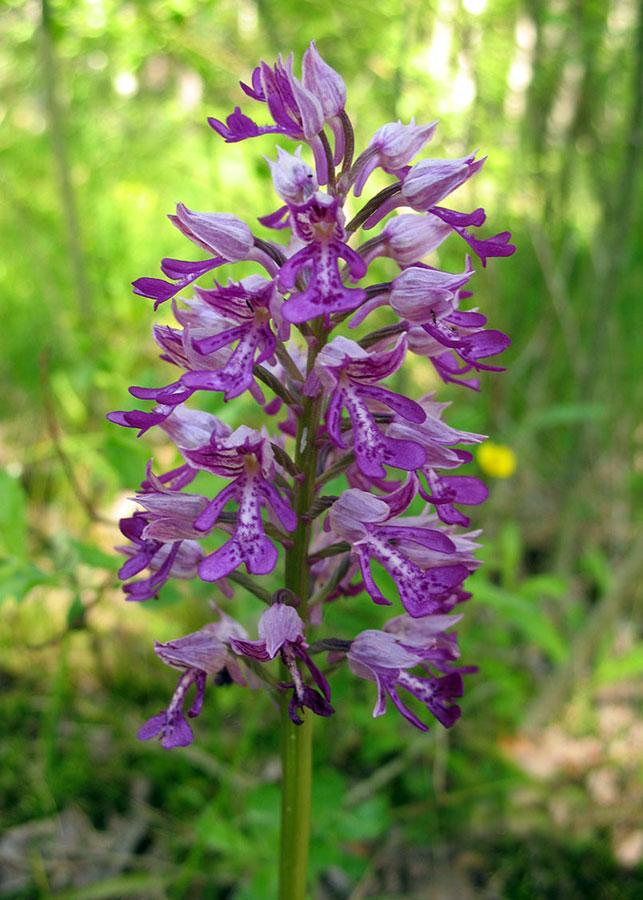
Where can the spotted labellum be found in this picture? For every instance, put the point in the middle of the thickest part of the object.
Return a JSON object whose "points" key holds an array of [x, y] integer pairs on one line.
{"points": [[339, 485]]}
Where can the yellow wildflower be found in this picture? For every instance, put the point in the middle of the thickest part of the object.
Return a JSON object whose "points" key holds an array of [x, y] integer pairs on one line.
{"points": [[496, 460]]}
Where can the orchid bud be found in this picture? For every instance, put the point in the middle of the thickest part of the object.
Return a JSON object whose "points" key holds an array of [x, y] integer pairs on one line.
{"points": [[293, 179], [324, 82], [430, 180], [397, 144], [221, 233], [417, 293], [410, 238]]}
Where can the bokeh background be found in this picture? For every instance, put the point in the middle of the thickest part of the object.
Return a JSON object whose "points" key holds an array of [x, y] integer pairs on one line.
{"points": [[534, 793]]}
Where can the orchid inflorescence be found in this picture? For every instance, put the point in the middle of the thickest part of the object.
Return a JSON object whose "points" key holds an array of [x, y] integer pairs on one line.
{"points": [[275, 329]]}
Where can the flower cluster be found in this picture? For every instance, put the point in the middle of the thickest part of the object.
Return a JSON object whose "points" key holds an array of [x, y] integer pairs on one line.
{"points": [[328, 413]]}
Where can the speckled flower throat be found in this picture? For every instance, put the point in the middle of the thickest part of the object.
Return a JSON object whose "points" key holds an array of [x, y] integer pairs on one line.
{"points": [[328, 415]]}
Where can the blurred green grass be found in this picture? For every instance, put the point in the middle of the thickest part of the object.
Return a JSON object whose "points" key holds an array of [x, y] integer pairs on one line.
{"points": [[102, 129]]}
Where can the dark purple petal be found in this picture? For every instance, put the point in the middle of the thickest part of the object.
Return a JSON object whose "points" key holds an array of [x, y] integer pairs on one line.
{"points": [[154, 288], [170, 395], [261, 558], [369, 582], [282, 507], [222, 339], [318, 677], [152, 727], [408, 409], [451, 217], [177, 269], [220, 563], [310, 699], [134, 565], [276, 219], [187, 272], [485, 343], [197, 704], [208, 518], [238, 127], [437, 583], [426, 537], [404, 710], [466, 319], [252, 649], [134, 418]]}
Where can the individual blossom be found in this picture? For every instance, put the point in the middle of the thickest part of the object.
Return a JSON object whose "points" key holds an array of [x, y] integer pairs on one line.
{"points": [[298, 110], [384, 659], [246, 313], [351, 374], [429, 635], [293, 179], [202, 653], [329, 88], [364, 521], [445, 490], [162, 537], [429, 182], [437, 437], [422, 294], [219, 317], [420, 290], [418, 295], [281, 631], [324, 82], [247, 458], [392, 148], [225, 235], [318, 224], [164, 559], [406, 238]]}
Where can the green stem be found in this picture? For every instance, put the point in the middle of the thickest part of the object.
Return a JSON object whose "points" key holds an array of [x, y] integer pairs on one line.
{"points": [[296, 740], [296, 754]]}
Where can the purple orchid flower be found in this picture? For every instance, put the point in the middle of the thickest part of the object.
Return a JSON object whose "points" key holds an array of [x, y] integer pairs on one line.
{"points": [[382, 658], [298, 111], [165, 559], [448, 329], [245, 457], [352, 373], [319, 224], [281, 631], [365, 522], [202, 653], [162, 537], [250, 311], [392, 148]]}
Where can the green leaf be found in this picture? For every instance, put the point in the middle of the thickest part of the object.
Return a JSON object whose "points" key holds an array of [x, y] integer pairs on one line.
{"points": [[138, 884], [621, 668], [525, 616], [18, 577], [76, 613], [220, 833], [545, 585], [90, 555]]}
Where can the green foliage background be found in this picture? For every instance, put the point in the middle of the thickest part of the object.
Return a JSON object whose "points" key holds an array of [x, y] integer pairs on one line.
{"points": [[103, 110]]}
